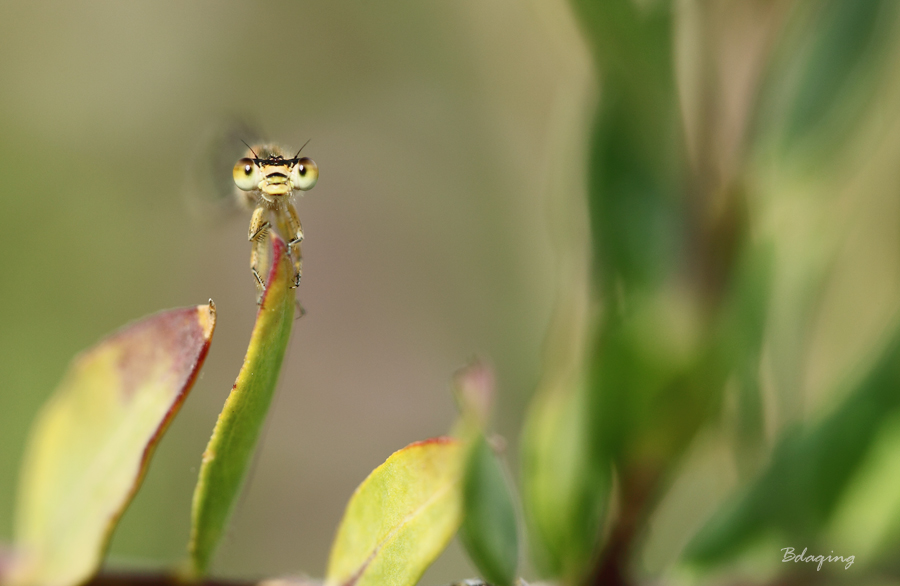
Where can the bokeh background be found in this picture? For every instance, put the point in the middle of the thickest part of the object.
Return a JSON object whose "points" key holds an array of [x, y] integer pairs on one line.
{"points": [[451, 219], [427, 236]]}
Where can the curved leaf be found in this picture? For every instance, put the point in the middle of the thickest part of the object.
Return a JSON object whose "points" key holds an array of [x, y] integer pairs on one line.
{"points": [[237, 430], [92, 442], [400, 518]]}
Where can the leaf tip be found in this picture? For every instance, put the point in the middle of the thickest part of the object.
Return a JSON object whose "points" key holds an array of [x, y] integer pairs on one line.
{"points": [[473, 387], [206, 316], [280, 272]]}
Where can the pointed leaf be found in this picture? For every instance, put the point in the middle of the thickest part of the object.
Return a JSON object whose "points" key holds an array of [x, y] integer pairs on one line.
{"points": [[237, 430], [489, 531], [91, 444], [400, 518]]}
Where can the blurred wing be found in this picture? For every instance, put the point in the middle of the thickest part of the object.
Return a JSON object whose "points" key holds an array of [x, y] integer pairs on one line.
{"points": [[209, 188]]}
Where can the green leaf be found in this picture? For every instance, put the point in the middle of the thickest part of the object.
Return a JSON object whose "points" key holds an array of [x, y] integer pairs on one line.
{"points": [[846, 40], [867, 519], [489, 530], [237, 430], [829, 69], [644, 351], [91, 443], [565, 486], [809, 471], [637, 161], [400, 518]]}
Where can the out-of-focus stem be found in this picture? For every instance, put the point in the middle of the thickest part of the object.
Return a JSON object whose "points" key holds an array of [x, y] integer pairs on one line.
{"points": [[636, 491]]}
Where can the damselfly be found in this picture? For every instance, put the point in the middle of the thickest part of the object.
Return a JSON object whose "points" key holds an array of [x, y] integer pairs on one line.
{"points": [[267, 181]]}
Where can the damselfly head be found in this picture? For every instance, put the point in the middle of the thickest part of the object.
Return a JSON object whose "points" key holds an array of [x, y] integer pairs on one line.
{"points": [[273, 174]]}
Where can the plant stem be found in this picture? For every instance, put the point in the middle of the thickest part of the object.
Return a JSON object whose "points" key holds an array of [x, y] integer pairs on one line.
{"points": [[637, 488]]}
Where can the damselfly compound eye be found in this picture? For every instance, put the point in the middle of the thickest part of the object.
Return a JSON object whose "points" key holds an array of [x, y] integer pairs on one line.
{"points": [[304, 174], [246, 174]]}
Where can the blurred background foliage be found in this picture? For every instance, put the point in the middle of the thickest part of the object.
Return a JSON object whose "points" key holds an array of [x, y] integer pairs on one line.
{"points": [[671, 225], [731, 380]]}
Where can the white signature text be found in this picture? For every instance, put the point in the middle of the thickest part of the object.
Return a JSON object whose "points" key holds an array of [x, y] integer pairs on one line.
{"points": [[790, 556]]}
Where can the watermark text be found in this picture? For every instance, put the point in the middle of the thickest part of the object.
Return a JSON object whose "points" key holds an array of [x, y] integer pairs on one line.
{"points": [[790, 556]]}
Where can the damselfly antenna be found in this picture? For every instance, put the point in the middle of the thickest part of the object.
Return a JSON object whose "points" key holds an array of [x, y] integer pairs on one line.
{"points": [[301, 148], [255, 156]]}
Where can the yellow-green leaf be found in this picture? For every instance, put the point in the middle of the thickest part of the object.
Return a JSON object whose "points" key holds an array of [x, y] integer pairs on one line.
{"points": [[92, 442], [400, 518], [234, 438], [565, 489]]}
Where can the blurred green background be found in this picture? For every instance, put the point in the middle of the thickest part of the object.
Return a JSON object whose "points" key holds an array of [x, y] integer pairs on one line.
{"points": [[426, 237], [740, 151]]}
